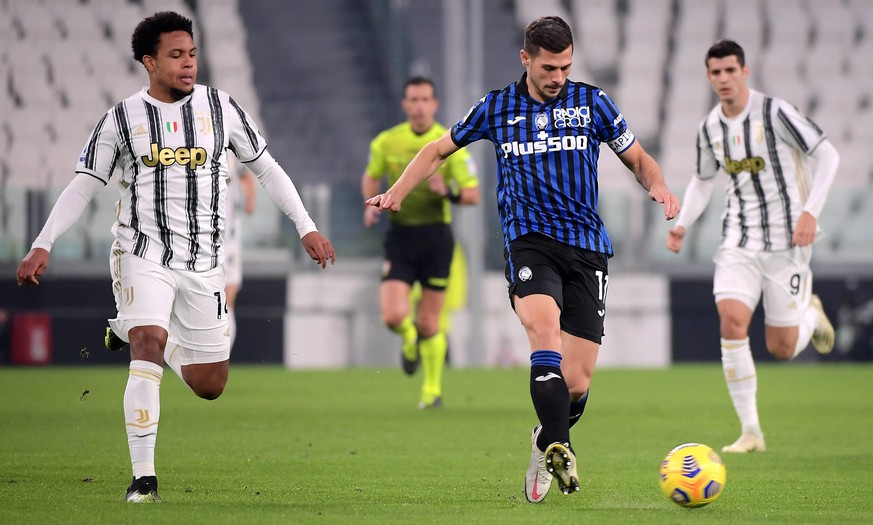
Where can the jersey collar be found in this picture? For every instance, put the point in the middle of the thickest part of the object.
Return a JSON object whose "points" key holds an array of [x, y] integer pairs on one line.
{"points": [[521, 87], [155, 102]]}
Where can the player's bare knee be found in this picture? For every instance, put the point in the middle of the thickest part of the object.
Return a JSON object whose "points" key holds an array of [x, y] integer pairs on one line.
{"points": [[577, 386], [428, 327], [782, 352], [209, 392], [206, 380], [147, 343], [544, 333], [393, 320]]}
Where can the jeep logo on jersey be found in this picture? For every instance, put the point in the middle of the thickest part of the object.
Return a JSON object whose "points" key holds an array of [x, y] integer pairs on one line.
{"points": [[193, 157], [577, 117], [752, 165], [565, 143]]}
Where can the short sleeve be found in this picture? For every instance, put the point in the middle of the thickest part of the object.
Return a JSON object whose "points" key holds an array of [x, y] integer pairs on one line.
{"points": [[612, 127], [474, 125], [101, 151], [377, 166], [244, 137], [707, 164], [796, 129]]}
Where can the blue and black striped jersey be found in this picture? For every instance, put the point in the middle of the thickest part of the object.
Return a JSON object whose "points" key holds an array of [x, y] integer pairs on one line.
{"points": [[547, 158]]}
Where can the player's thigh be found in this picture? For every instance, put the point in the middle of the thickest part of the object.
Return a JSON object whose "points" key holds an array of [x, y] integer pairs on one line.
{"points": [[199, 324], [787, 286], [737, 276], [144, 293], [394, 300], [539, 314], [585, 288], [535, 289]]}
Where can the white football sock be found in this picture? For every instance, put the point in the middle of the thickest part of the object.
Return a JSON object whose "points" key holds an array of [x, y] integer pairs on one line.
{"points": [[742, 381], [142, 410], [805, 329]]}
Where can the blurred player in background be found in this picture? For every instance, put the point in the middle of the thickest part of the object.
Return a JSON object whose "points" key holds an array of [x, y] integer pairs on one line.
{"points": [[764, 145], [547, 132], [170, 142], [419, 244], [240, 197]]}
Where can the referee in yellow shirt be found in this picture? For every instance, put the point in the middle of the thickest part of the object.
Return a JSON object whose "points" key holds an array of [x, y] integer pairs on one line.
{"points": [[419, 244]]}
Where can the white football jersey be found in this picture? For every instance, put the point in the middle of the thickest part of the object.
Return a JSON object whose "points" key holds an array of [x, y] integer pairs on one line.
{"points": [[173, 177], [764, 153]]}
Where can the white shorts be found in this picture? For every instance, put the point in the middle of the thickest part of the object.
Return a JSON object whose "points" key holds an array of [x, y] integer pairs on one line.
{"points": [[190, 306], [783, 277]]}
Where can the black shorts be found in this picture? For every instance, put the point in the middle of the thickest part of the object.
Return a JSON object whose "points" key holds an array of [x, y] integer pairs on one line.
{"points": [[419, 253], [575, 278]]}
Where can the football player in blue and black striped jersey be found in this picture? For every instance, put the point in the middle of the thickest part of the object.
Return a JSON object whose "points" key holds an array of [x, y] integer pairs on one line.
{"points": [[547, 132]]}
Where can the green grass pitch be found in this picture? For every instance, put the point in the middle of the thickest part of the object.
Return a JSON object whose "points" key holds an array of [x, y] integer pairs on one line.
{"points": [[351, 447]]}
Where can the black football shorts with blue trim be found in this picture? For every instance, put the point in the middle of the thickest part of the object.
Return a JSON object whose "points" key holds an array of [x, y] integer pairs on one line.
{"points": [[575, 278]]}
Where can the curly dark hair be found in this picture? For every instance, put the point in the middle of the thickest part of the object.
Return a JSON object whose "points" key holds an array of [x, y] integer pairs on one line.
{"points": [[147, 34], [548, 32], [726, 48]]}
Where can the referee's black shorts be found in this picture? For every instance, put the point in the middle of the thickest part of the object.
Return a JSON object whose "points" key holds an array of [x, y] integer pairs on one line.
{"points": [[574, 277], [419, 253]]}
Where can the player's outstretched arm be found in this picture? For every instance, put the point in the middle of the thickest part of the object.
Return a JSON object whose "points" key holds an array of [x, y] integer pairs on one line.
{"points": [[70, 205], [425, 164]]}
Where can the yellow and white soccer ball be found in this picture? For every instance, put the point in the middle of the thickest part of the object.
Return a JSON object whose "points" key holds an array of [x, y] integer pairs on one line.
{"points": [[692, 475]]}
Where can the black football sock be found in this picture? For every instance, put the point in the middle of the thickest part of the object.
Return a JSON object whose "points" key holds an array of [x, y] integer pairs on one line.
{"points": [[550, 396], [576, 409]]}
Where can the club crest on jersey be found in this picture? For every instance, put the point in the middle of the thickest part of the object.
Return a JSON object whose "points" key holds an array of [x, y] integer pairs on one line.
{"points": [[542, 120], [525, 273], [193, 157], [204, 122]]}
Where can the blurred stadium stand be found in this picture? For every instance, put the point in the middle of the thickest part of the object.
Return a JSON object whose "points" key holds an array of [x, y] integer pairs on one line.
{"points": [[323, 76]]}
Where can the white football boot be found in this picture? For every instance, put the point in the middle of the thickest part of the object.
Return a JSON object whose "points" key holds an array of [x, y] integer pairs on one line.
{"points": [[538, 479], [823, 336], [747, 442]]}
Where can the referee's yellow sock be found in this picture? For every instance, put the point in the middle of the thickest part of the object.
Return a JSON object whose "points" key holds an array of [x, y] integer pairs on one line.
{"points": [[409, 333], [433, 361]]}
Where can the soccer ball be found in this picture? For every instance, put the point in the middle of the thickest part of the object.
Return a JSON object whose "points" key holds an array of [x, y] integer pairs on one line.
{"points": [[692, 475]]}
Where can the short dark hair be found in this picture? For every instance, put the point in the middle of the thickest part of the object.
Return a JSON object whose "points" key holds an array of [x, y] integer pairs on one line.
{"points": [[726, 48], [147, 34], [419, 81], [548, 32]]}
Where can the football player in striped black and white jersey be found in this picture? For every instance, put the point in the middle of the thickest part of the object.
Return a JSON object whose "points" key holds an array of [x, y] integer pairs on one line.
{"points": [[774, 197], [170, 142]]}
